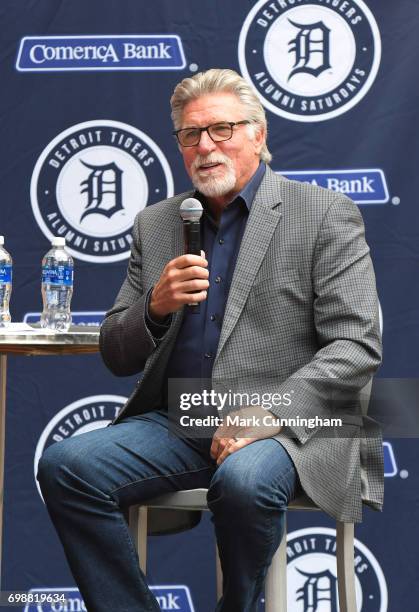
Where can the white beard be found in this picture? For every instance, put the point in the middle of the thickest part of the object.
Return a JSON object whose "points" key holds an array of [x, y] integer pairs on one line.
{"points": [[214, 186]]}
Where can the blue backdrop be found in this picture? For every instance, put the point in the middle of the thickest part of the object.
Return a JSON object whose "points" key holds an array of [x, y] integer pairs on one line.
{"points": [[86, 143]]}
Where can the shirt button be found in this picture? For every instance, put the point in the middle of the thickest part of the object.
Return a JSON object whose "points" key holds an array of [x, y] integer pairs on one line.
{"points": [[208, 355], [218, 279], [213, 317], [221, 241]]}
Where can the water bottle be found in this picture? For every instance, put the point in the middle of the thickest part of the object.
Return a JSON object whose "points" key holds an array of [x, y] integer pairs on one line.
{"points": [[5, 284], [57, 287]]}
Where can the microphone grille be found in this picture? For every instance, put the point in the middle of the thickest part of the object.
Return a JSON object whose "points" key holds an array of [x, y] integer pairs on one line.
{"points": [[191, 209]]}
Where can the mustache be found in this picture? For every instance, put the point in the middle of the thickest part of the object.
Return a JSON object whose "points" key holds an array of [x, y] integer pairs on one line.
{"points": [[215, 158]]}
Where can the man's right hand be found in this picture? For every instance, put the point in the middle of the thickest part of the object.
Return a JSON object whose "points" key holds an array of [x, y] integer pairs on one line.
{"points": [[180, 277]]}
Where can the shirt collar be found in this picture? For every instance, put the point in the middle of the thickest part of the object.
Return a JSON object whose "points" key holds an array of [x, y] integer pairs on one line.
{"points": [[247, 194], [249, 190]]}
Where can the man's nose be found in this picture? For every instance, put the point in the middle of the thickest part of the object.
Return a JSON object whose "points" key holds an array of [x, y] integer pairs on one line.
{"points": [[206, 144]]}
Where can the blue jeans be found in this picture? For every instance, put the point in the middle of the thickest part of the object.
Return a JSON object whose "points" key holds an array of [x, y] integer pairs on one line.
{"points": [[89, 480]]}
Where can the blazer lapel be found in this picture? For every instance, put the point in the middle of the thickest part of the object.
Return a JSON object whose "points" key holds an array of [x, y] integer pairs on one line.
{"points": [[261, 224]]}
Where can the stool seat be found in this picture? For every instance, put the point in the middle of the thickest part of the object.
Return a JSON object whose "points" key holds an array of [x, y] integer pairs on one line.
{"points": [[196, 499]]}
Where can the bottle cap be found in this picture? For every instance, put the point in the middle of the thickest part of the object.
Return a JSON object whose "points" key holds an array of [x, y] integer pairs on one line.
{"points": [[1, 240], [58, 241]]}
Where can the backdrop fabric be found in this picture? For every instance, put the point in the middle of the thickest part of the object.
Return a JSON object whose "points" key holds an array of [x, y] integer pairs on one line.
{"points": [[87, 142]]}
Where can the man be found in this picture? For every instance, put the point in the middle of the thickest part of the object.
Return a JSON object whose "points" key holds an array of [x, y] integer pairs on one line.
{"points": [[287, 300]]}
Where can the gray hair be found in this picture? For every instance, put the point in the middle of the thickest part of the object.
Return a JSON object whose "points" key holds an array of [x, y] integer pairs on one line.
{"points": [[220, 80]]}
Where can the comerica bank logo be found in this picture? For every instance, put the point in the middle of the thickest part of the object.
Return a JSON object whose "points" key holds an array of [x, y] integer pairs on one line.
{"points": [[84, 415], [173, 597], [311, 574], [89, 183], [310, 60], [111, 52], [368, 186], [169, 597]]}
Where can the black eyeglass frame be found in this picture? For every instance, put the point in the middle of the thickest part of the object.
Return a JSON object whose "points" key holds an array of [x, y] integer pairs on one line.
{"points": [[205, 129]]}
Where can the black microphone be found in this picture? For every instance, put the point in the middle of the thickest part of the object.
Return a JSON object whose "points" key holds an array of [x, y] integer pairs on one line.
{"points": [[191, 213]]}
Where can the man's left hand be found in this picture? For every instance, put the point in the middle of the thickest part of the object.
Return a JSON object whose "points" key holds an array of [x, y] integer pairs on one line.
{"points": [[229, 438]]}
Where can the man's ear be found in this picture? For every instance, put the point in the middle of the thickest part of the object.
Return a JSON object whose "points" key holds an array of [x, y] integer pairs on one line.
{"points": [[260, 138]]}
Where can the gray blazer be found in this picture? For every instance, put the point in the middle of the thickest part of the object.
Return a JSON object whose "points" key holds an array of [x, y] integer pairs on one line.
{"points": [[302, 306]]}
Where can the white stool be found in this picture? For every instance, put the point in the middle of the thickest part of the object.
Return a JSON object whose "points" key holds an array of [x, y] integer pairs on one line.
{"points": [[276, 579]]}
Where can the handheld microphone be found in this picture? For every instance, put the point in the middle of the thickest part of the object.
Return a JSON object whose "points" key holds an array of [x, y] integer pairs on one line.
{"points": [[191, 213]]}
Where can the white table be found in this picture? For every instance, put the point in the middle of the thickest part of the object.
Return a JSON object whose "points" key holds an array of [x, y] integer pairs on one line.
{"points": [[78, 340]]}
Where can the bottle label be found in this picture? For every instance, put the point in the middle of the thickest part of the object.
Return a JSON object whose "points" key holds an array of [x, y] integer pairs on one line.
{"points": [[6, 273], [57, 275]]}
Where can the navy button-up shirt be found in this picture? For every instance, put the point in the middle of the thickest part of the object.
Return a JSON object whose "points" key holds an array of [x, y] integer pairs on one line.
{"points": [[196, 344]]}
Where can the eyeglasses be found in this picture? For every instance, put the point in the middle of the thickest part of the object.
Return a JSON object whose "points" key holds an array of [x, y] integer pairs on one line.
{"points": [[190, 137]]}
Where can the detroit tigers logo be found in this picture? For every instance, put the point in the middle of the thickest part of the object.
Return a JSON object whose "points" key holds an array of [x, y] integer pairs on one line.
{"points": [[83, 415], [312, 577], [311, 60], [318, 587], [89, 183], [103, 181], [311, 47]]}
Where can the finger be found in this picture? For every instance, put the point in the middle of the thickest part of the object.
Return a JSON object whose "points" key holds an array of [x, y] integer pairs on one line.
{"points": [[187, 260], [233, 448], [195, 284], [189, 273], [244, 442], [174, 276], [214, 448], [224, 444], [229, 448], [218, 443], [190, 298]]}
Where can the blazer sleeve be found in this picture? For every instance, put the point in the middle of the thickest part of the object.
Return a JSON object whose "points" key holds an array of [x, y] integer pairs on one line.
{"points": [[346, 317], [125, 340]]}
